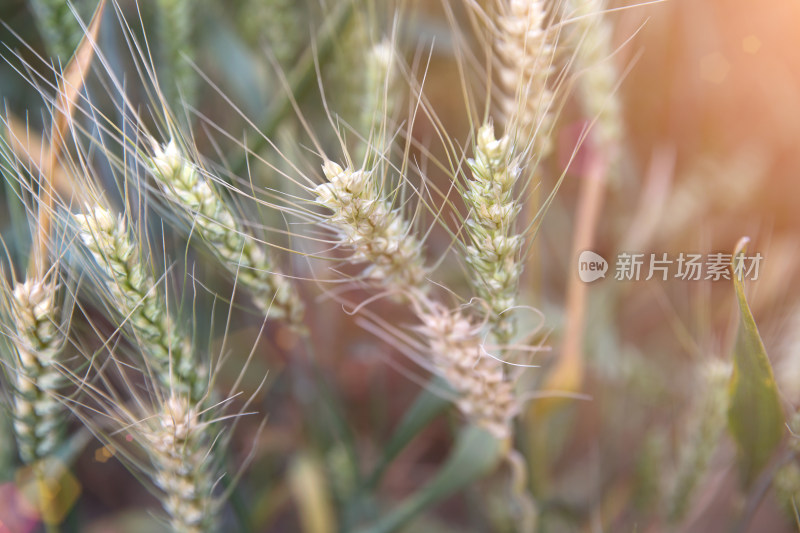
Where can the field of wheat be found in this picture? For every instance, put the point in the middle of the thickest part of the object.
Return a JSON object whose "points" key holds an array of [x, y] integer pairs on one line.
{"points": [[377, 266]]}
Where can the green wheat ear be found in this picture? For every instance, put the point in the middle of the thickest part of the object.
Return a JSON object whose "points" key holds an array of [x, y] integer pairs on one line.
{"points": [[134, 293], [38, 413], [175, 28], [188, 188], [493, 249]]}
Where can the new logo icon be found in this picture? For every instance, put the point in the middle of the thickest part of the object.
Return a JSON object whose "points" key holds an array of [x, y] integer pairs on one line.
{"points": [[591, 266]]}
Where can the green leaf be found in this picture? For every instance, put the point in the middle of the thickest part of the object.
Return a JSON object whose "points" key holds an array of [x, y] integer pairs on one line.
{"points": [[426, 407], [755, 417], [476, 453]]}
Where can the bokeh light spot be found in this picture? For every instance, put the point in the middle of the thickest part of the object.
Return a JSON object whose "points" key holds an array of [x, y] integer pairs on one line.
{"points": [[104, 453], [751, 44], [714, 68]]}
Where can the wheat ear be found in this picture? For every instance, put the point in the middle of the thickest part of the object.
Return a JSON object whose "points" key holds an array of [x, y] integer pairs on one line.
{"points": [[524, 48], [58, 25], [381, 237], [176, 442], [38, 413], [493, 250], [186, 186], [485, 392], [133, 291], [377, 233], [379, 101], [706, 424], [598, 79], [275, 21], [175, 25]]}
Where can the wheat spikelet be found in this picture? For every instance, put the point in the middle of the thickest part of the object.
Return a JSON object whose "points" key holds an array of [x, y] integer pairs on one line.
{"points": [[377, 233], [133, 292], [185, 185], [493, 250], [38, 342]]}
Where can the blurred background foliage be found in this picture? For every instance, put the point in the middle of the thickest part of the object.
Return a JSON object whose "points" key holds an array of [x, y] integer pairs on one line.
{"points": [[711, 100]]}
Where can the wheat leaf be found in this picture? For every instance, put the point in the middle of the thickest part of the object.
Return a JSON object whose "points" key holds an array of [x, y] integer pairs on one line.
{"points": [[476, 453], [70, 84], [755, 417]]}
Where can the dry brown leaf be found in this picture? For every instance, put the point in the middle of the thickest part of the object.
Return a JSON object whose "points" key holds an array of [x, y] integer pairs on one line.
{"points": [[70, 84], [31, 149]]}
